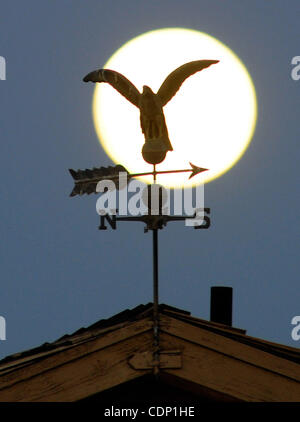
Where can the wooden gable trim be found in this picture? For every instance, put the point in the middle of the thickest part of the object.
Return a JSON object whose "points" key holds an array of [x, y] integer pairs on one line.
{"points": [[230, 347], [40, 367], [79, 378], [62, 345], [211, 325], [228, 375]]}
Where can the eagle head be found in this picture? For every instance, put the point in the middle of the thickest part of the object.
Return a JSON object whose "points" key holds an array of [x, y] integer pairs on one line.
{"points": [[147, 90]]}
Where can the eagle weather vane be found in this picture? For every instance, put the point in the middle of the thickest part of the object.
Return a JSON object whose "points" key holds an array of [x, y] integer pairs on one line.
{"points": [[155, 148], [152, 119]]}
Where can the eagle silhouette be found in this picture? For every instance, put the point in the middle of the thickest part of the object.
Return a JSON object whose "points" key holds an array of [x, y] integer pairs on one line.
{"points": [[151, 105]]}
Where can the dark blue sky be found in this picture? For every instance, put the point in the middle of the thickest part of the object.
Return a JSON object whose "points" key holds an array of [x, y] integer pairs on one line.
{"points": [[58, 272]]}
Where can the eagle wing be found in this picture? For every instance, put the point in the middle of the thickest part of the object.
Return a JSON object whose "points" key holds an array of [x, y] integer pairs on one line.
{"points": [[117, 81], [175, 79]]}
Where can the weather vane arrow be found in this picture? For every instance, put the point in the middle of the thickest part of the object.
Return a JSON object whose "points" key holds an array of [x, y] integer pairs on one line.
{"points": [[86, 180], [194, 170]]}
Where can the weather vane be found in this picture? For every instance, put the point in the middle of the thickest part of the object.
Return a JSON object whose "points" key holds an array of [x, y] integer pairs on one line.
{"points": [[154, 150], [152, 119]]}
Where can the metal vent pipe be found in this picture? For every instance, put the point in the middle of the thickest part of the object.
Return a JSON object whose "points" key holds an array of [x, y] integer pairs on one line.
{"points": [[221, 305]]}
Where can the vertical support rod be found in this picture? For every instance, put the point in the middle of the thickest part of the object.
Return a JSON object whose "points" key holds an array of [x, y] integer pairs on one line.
{"points": [[155, 262], [155, 301], [155, 293], [155, 273], [154, 173]]}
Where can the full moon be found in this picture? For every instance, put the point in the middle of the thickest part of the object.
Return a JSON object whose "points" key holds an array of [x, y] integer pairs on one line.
{"points": [[211, 119]]}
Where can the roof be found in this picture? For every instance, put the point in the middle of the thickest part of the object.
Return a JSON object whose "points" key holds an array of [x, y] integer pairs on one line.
{"points": [[130, 334]]}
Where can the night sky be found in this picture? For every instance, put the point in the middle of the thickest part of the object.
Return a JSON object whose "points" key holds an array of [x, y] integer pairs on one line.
{"points": [[58, 271]]}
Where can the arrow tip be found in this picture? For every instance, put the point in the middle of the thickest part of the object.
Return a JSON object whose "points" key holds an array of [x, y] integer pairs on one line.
{"points": [[196, 170]]}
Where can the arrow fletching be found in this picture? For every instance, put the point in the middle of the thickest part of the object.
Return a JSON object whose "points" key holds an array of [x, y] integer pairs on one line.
{"points": [[86, 180]]}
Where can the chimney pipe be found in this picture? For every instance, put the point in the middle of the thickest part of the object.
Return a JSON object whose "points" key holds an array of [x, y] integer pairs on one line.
{"points": [[221, 305]]}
